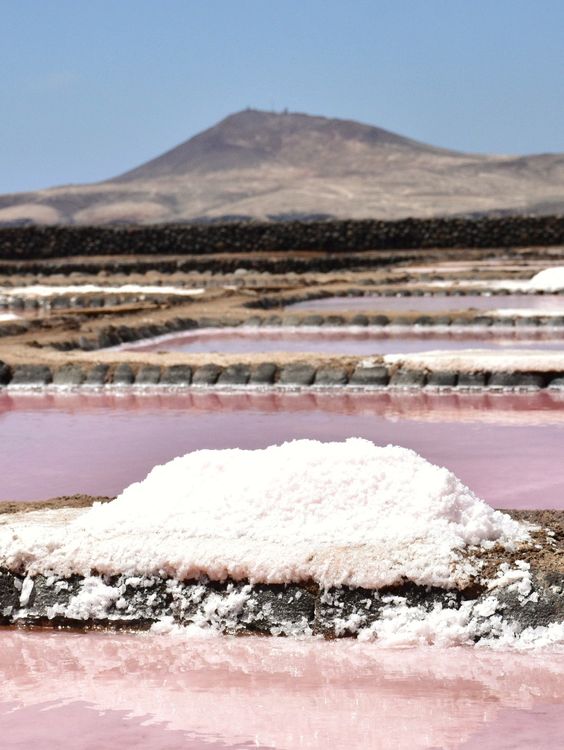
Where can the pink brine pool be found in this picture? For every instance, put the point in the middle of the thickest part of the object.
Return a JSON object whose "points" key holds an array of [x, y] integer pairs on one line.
{"points": [[539, 303], [354, 341], [63, 691], [507, 448]]}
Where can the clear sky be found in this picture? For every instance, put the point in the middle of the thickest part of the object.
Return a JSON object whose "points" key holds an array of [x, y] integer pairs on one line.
{"points": [[90, 88]]}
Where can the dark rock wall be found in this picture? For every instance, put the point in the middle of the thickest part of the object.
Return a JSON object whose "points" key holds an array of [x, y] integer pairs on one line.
{"points": [[36, 242]]}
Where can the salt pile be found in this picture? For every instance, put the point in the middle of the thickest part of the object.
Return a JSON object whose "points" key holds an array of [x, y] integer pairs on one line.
{"points": [[348, 513], [549, 280]]}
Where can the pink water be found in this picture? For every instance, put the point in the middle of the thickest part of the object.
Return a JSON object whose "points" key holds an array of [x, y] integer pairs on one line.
{"points": [[437, 303], [345, 341], [506, 447], [64, 691]]}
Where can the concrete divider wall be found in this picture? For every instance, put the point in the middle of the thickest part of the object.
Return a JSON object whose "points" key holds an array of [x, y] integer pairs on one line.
{"points": [[36, 242]]}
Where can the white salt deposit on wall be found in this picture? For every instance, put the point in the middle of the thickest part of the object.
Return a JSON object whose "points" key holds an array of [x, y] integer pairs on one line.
{"points": [[548, 280], [469, 360], [339, 513], [43, 290]]}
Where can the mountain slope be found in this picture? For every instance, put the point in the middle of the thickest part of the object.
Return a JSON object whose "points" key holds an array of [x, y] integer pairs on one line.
{"points": [[266, 165]]}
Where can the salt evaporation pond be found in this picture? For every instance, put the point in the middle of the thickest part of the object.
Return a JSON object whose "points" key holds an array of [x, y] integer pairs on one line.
{"points": [[62, 691], [536, 303], [346, 340], [504, 446]]}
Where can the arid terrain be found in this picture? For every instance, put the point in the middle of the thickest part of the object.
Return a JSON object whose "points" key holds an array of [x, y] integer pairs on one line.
{"points": [[263, 165]]}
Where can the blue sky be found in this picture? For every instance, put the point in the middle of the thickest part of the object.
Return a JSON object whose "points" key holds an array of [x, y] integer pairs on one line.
{"points": [[90, 88]]}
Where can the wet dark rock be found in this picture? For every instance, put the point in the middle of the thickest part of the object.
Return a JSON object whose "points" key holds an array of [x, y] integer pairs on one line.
{"points": [[503, 380], [483, 320], [184, 324], [312, 320], [107, 338], [123, 374], [273, 320], [148, 375], [278, 609], [360, 320], [545, 606], [401, 320], [504, 321], [5, 374], [340, 612], [527, 321], [370, 376], [235, 375], [442, 320], [462, 322], [331, 376], [333, 320], [528, 381], [47, 592], [97, 375], [263, 374], [126, 333], [31, 375], [442, 378], [379, 320], [471, 379], [211, 322], [291, 320], [206, 374], [177, 375], [408, 378], [424, 320], [297, 374], [10, 587], [69, 375], [87, 344]]}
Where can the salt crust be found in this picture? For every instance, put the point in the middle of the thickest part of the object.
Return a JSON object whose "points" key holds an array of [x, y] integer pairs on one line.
{"points": [[337, 513], [468, 360], [548, 280], [44, 290]]}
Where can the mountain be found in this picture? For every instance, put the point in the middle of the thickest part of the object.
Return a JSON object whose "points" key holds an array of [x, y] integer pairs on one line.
{"points": [[266, 165]]}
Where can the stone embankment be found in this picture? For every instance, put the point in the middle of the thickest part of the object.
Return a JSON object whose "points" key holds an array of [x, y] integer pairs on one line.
{"points": [[37, 242], [361, 374]]}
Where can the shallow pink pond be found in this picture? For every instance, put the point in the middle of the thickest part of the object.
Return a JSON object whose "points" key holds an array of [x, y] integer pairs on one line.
{"points": [[101, 691], [507, 447], [437, 303], [344, 341]]}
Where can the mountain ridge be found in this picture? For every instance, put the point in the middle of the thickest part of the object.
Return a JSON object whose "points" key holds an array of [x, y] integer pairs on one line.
{"points": [[258, 164]]}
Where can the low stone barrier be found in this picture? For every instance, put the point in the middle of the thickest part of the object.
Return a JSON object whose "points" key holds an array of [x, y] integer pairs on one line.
{"points": [[115, 335], [270, 374], [36, 242], [235, 607]]}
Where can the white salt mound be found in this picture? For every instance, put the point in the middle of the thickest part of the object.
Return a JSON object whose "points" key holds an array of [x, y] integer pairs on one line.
{"points": [[337, 513], [549, 280]]}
